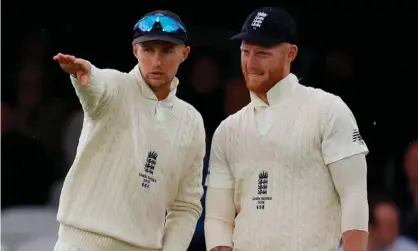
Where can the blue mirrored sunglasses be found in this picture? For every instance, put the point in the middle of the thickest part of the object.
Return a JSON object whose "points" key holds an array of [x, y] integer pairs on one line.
{"points": [[167, 23]]}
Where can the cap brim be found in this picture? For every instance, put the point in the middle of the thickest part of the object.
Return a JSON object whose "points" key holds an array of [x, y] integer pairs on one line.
{"points": [[165, 38], [257, 39]]}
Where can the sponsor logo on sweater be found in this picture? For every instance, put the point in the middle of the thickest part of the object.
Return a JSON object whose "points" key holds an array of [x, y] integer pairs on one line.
{"points": [[262, 190], [149, 169]]}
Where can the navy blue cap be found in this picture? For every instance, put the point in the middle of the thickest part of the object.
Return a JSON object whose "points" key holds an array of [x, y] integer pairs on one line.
{"points": [[268, 26]]}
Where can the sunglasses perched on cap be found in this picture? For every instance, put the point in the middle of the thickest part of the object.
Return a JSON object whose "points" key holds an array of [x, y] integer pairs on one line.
{"points": [[163, 22]]}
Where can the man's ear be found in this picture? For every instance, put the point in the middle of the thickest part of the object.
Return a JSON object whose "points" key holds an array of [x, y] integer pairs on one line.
{"points": [[293, 52], [135, 49], [185, 52]]}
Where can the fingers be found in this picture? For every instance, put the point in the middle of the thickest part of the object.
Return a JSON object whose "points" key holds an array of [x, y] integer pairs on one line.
{"points": [[81, 63], [74, 66], [64, 59], [83, 79]]}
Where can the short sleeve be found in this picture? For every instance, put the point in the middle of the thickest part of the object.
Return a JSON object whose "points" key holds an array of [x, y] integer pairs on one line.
{"points": [[340, 134], [219, 173]]}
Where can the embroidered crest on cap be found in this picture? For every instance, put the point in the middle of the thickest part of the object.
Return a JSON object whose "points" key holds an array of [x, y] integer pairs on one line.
{"points": [[258, 20]]}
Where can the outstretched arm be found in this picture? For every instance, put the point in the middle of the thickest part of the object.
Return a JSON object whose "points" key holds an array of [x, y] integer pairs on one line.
{"points": [[94, 87], [99, 91]]}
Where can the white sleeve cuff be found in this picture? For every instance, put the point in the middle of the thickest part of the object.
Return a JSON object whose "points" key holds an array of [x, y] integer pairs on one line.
{"points": [[101, 88], [219, 218]]}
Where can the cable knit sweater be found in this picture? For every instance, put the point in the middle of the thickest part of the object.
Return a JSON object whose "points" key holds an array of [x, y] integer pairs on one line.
{"points": [[274, 159], [135, 183]]}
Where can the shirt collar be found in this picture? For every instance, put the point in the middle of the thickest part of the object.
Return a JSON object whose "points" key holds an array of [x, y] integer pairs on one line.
{"points": [[282, 89], [146, 90]]}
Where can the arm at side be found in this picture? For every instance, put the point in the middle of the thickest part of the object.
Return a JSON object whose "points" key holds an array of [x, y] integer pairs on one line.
{"points": [[220, 207], [100, 90], [219, 219], [344, 152], [185, 211], [350, 180]]}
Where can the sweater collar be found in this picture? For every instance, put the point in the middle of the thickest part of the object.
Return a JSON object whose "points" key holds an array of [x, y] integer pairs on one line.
{"points": [[278, 93]]}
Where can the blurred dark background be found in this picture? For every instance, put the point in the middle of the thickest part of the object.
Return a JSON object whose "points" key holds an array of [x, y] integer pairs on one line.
{"points": [[357, 51]]}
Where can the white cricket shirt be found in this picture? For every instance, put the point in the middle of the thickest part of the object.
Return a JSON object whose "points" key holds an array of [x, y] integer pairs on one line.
{"points": [[275, 159], [137, 159]]}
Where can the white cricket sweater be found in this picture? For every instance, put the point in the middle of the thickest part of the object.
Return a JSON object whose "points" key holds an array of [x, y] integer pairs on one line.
{"points": [[137, 159], [274, 157]]}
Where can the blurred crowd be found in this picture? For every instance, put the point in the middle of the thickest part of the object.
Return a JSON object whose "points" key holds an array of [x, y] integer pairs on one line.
{"points": [[41, 120]]}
